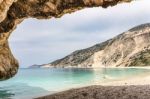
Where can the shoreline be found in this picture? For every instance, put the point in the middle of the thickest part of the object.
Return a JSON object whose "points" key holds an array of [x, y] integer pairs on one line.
{"points": [[136, 83], [71, 67], [103, 92]]}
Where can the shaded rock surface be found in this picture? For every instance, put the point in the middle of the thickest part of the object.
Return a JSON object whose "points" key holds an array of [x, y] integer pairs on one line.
{"points": [[131, 48], [104, 92], [13, 12]]}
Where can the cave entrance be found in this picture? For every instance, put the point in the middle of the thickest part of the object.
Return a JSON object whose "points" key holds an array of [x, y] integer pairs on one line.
{"points": [[42, 41]]}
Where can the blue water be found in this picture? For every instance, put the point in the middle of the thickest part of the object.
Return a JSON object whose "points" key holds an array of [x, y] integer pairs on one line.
{"points": [[30, 83]]}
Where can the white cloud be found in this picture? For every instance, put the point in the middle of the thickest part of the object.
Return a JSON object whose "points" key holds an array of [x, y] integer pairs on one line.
{"points": [[41, 41]]}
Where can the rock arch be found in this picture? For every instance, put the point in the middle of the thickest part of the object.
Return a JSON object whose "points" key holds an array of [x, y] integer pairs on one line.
{"points": [[13, 12]]}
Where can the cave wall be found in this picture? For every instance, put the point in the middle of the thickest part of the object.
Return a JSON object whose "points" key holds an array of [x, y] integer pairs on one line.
{"points": [[13, 12]]}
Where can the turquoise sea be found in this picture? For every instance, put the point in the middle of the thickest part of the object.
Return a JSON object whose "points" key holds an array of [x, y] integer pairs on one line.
{"points": [[30, 83]]}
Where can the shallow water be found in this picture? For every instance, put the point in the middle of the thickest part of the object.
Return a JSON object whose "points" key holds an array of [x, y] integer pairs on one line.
{"points": [[29, 83]]}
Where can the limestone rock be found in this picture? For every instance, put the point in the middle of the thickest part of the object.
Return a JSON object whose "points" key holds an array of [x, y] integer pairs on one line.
{"points": [[131, 48]]}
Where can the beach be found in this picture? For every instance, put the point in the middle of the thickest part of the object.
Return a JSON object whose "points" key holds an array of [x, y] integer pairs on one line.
{"points": [[34, 83], [131, 88], [104, 92]]}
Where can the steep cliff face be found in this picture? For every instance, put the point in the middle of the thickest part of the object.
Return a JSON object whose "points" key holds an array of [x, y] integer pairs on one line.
{"points": [[132, 48], [12, 12]]}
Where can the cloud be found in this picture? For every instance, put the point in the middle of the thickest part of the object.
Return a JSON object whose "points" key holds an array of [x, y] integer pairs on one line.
{"points": [[41, 41]]}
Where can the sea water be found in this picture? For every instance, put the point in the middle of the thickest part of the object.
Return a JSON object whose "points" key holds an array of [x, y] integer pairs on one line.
{"points": [[31, 83]]}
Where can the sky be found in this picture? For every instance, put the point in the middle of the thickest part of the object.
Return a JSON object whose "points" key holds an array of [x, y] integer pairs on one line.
{"points": [[43, 41]]}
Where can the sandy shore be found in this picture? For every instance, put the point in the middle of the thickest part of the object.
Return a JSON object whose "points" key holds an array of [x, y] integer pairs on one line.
{"points": [[127, 88], [139, 80], [104, 92]]}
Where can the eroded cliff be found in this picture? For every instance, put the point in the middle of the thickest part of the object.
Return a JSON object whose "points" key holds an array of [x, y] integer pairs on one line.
{"points": [[131, 48], [12, 12]]}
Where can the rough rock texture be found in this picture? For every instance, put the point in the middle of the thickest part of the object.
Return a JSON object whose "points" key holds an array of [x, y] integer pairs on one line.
{"points": [[12, 12], [104, 92], [131, 48]]}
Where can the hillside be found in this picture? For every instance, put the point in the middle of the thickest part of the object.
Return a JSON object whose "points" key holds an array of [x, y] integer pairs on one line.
{"points": [[131, 48]]}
